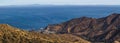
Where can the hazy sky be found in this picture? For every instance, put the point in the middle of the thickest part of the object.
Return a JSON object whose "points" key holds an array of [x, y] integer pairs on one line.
{"points": [[60, 2]]}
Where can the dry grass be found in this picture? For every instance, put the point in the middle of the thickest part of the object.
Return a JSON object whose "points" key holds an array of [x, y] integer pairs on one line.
{"points": [[9, 34]]}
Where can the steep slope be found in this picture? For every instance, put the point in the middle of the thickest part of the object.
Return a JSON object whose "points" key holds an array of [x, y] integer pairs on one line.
{"points": [[9, 34], [106, 29]]}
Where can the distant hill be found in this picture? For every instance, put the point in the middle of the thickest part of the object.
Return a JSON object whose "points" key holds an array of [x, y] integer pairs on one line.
{"points": [[9, 34], [106, 29]]}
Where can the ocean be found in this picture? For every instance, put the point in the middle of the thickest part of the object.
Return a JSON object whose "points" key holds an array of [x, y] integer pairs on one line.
{"points": [[37, 17]]}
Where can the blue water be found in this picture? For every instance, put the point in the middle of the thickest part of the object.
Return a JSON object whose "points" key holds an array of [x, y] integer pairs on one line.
{"points": [[35, 17]]}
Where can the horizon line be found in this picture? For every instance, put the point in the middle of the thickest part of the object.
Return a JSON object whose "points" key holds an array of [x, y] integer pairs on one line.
{"points": [[62, 5]]}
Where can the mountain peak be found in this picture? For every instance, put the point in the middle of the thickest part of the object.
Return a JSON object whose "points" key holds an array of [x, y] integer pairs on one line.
{"points": [[113, 18]]}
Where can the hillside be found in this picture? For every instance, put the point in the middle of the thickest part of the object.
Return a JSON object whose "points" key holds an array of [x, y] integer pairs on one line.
{"points": [[77, 30], [9, 34], [106, 29]]}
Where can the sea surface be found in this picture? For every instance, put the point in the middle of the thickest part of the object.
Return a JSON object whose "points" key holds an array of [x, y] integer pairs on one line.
{"points": [[37, 17]]}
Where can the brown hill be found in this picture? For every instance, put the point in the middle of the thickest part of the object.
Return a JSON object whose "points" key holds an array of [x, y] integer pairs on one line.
{"points": [[106, 29], [9, 34]]}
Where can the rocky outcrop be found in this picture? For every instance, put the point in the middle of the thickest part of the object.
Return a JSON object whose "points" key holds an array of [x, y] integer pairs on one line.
{"points": [[106, 29]]}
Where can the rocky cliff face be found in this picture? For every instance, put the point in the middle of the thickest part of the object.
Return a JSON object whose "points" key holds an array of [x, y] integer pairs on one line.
{"points": [[106, 29]]}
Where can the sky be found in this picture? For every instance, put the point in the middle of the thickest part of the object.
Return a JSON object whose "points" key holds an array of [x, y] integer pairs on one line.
{"points": [[59, 2]]}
